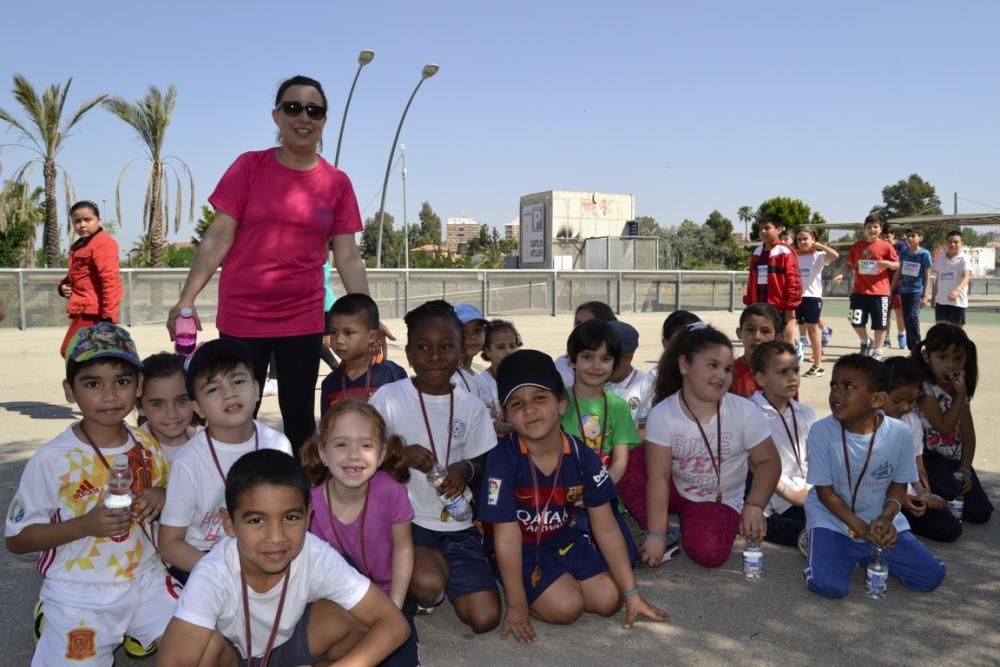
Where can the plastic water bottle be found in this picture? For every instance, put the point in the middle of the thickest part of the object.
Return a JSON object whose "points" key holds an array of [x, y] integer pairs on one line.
{"points": [[458, 507], [119, 495], [185, 333], [753, 560], [957, 505], [877, 574]]}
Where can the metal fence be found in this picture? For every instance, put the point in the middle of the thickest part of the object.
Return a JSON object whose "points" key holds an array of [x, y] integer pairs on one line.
{"points": [[32, 301]]}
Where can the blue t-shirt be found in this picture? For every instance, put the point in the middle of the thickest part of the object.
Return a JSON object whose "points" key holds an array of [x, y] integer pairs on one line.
{"points": [[509, 494], [911, 268], [892, 461], [334, 387]]}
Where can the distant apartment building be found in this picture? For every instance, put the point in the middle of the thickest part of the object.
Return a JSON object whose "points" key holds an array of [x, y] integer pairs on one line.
{"points": [[460, 231], [512, 230]]}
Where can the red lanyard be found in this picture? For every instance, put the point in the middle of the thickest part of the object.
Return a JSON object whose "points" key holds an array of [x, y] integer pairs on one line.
{"points": [[146, 478], [461, 376], [536, 573], [215, 457], [361, 532], [277, 616], [793, 440], [716, 463], [602, 421], [368, 381], [847, 461], [427, 423]]}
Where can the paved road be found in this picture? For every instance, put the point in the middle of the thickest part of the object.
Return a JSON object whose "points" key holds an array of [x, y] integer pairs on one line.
{"points": [[718, 618]]}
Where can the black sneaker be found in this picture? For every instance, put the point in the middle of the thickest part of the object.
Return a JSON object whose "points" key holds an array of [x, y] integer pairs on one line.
{"points": [[814, 372], [866, 347]]}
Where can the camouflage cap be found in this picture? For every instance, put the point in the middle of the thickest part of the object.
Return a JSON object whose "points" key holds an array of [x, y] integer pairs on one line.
{"points": [[99, 341]]}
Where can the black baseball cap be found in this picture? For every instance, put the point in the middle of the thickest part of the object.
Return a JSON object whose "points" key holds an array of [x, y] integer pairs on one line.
{"points": [[207, 353], [527, 368]]}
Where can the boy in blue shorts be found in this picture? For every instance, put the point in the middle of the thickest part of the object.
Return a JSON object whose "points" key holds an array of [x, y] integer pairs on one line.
{"points": [[532, 482], [103, 580], [352, 324], [860, 463], [913, 284]]}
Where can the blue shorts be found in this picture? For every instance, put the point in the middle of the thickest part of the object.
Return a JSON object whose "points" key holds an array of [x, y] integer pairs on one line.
{"points": [[468, 570], [575, 554], [809, 310], [863, 306], [295, 651], [833, 557], [944, 312]]}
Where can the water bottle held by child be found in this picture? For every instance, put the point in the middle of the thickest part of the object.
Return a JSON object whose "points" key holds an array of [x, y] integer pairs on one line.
{"points": [[119, 494], [957, 505], [458, 507], [877, 574], [185, 333], [753, 560]]}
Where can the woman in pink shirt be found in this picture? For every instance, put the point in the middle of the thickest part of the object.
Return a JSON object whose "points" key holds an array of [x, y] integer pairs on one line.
{"points": [[275, 212]]}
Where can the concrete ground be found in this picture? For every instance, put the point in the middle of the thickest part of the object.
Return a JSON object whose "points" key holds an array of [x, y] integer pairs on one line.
{"points": [[718, 617]]}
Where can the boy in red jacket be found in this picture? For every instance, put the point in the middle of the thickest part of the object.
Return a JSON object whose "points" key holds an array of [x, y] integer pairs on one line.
{"points": [[92, 284], [774, 275]]}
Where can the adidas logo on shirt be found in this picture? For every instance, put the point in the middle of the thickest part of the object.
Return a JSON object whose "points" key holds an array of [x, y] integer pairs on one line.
{"points": [[85, 489]]}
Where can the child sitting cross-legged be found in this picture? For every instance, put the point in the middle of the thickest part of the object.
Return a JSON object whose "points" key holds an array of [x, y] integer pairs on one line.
{"points": [[272, 594], [860, 462], [533, 481]]}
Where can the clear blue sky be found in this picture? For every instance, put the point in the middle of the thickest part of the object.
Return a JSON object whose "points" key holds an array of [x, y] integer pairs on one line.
{"points": [[689, 106]]}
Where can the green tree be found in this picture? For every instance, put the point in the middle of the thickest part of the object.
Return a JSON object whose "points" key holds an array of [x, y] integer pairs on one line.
{"points": [[720, 226], [150, 116], [479, 244], [46, 133], [648, 226], [22, 213], [793, 212], [746, 214], [392, 243], [430, 226], [204, 222], [910, 196], [180, 256]]}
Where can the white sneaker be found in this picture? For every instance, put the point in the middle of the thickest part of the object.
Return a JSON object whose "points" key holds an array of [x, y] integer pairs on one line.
{"points": [[271, 387]]}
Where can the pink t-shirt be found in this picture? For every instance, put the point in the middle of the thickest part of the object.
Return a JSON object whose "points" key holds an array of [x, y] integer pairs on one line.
{"points": [[272, 276], [388, 504]]}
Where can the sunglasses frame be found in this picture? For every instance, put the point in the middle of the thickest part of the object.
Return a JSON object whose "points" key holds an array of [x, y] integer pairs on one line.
{"points": [[288, 107]]}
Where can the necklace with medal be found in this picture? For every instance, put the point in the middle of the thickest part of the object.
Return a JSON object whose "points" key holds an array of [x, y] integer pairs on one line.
{"points": [[599, 448], [430, 434], [864, 468], [145, 480], [793, 440], [368, 381], [342, 548], [543, 511], [716, 460], [274, 625], [215, 457]]}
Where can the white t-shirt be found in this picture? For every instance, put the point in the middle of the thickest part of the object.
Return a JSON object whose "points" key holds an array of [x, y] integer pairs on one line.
{"points": [[489, 392], [467, 381], [212, 597], [950, 272], [63, 480], [472, 435], [637, 391], [565, 370], [912, 420], [196, 492], [811, 270], [792, 473], [692, 471]]}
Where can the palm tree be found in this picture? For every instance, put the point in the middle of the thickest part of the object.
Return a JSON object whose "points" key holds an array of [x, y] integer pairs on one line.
{"points": [[746, 215], [149, 117], [46, 135], [21, 212]]}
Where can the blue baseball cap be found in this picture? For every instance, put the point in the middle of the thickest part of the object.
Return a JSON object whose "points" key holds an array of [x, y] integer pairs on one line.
{"points": [[628, 337], [468, 313]]}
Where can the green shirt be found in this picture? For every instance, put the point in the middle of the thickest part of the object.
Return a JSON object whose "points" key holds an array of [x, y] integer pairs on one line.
{"points": [[601, 433]]}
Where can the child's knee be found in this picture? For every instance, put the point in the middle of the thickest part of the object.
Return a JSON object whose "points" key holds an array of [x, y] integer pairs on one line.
{"points": [[427, 587], [828, 589], [565, 610], [608, 605], [709, 554], [481, 617]]}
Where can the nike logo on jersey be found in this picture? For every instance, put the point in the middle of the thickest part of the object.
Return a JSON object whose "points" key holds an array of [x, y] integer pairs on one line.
{"points": [[85, 489], [565, 550]]}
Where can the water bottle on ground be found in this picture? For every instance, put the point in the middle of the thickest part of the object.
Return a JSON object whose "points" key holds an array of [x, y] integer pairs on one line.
{"points": [[458, 507], [877, 574], [957, 505], [119, 495], [185, 333], [753, 560]]}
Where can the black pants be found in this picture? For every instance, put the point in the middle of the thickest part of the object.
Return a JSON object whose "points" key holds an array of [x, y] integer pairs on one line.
{"points": [[941, 476], [937, 525], [297, 361], [911, 317], [784, 528]]}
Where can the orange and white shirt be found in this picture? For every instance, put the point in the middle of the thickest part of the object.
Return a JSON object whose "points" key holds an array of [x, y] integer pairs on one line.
{"points": [[64, 480]]}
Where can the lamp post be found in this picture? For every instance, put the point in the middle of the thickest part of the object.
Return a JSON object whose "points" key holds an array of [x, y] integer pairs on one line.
{"points": [[427, 72], [406, 226], [365, 57]]}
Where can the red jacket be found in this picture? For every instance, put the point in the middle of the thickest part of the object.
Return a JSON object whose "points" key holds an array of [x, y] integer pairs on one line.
{"points": [[93, 275], [781, 275]]}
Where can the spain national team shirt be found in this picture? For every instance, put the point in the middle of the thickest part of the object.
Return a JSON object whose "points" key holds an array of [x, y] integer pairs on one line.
{"points": [[509, 494], [64, 480], [336, 386], [891, 461]]}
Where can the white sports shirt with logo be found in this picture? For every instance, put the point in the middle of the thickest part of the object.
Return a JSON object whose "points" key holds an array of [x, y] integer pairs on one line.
{"points": [[472, 436], [637, 391]]}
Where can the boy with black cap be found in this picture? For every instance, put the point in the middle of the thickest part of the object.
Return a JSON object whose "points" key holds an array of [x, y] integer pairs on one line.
{"points": [[103, 582], [221, 383], [532, 480], [632, 385]]}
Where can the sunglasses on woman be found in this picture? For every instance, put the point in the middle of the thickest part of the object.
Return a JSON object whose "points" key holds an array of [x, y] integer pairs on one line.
{"points": [[293, 109]]}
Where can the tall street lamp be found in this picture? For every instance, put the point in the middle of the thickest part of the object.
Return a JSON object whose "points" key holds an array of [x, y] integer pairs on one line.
{"points": [[365, 57], [406, 226], [429, 70]]}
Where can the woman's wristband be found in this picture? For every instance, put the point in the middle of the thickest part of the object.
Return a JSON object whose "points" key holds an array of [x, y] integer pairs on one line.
{"points": [[899, 505], [472, 469], [967, 471], [634, 591]]}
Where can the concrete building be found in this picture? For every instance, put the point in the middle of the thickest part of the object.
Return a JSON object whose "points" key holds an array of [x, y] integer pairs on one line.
{"points": [[460, 231], [512, 230]]}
